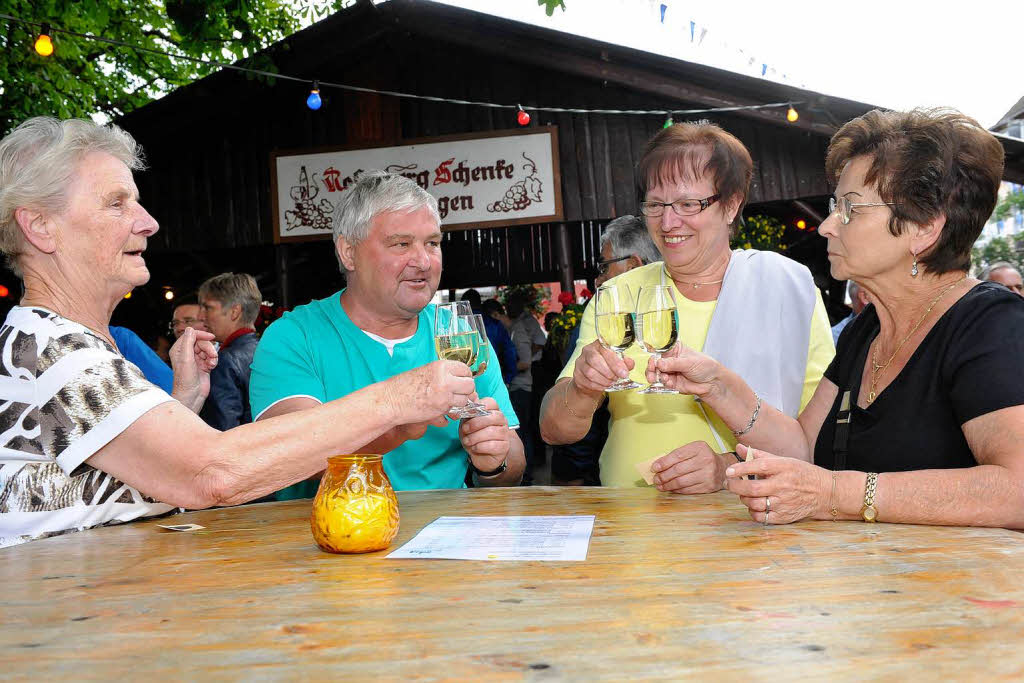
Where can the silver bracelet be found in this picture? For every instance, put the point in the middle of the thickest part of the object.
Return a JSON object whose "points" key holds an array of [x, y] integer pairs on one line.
{"points": [[753, 418]]}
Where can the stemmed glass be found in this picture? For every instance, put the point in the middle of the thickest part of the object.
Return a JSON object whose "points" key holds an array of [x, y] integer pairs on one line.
{"points": [[481, 357], [455, 339], [614, 320], [658, 328]]}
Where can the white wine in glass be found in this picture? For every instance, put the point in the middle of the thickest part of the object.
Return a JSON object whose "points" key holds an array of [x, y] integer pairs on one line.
{"points": [[614, 320], [456, 339], [658, 331]]}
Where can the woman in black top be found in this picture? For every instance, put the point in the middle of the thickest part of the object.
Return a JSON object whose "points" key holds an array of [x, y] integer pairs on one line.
{"points": [[920, 417]]}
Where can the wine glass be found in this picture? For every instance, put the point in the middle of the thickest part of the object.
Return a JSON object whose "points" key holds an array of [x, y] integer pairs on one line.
{"points": [[657, 328], [482, 356], [454, 339], [614, 322]]}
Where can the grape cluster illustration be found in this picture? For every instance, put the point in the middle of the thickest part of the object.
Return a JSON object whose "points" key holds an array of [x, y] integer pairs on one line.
{"points": [[522, 193], [306, 212]]}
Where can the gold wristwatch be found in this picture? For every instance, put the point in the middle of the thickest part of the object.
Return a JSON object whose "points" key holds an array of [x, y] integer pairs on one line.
{"points": [[869, 512]]}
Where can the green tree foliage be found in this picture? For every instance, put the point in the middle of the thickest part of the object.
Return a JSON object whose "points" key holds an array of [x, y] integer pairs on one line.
{"points": [[551, 5], [759, 232], [85, 77], [1009, 249], [1009, 205]]}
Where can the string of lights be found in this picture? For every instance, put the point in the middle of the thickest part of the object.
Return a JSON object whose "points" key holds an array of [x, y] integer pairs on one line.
{"points": [[44, 46]]}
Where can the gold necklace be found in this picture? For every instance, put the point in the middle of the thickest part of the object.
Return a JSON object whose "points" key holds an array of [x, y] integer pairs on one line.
{"points": [[695, 285], [876, 368]]}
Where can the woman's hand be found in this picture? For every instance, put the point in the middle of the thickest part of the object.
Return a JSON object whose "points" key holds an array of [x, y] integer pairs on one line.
{"points": [[193, 358], [430, 391], [693, 468], [686, 371], [597, 367], [793, 489]]}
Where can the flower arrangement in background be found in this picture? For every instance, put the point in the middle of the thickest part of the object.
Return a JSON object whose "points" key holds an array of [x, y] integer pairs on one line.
{"points": [[535, 295], [268, 314], [569, 319], [759, 232]]}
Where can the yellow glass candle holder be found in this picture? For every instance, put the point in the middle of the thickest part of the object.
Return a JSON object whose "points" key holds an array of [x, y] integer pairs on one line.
{"points": [[355, 509]]}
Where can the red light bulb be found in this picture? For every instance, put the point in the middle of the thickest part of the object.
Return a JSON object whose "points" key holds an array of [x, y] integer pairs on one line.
{"points": [[523, 118]]}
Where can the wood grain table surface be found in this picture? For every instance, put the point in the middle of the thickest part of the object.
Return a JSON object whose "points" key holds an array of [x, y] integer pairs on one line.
{"points": [[674, 587]]}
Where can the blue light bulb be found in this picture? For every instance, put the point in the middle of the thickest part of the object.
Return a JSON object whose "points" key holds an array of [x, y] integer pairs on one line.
{"points": [[314, 101]]}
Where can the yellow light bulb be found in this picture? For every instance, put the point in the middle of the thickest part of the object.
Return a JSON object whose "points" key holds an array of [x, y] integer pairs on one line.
{"points": [[801, 224], [44, 46], [169, 294], [792, 115]]}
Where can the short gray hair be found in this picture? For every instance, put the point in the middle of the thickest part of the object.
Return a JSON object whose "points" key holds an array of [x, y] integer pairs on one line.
{"points": [[628, 236], [234, 288], [374, 193], [986, 272], [38, 160]]}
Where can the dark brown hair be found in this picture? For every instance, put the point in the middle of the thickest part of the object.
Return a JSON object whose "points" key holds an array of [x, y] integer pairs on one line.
{"points": [[930, 163], [690, 151]]}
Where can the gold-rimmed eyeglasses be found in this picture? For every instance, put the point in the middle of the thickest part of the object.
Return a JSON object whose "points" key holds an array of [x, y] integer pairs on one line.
{"points": [[681, 207], [843, 207]]}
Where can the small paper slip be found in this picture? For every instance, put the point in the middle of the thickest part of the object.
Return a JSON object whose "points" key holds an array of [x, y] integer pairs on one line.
{"points": [[552, 538], [181, 527], [644, 468]]}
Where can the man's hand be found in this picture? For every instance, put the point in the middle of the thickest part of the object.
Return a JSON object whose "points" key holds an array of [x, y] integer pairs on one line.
{"points": [[486, 439], [193, 357]]}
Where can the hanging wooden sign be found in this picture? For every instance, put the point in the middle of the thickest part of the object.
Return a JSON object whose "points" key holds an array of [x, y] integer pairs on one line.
{"points": [[480, 180]]}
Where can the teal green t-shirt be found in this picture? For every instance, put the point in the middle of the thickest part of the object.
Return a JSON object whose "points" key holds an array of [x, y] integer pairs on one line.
{"points": [[316, 351]]}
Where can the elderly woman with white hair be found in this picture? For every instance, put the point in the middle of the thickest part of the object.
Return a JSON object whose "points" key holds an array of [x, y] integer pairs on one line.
{"points": [[86, 440]]}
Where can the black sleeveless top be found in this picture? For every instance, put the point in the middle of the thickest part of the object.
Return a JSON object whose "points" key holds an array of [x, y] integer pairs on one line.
{"points": [[969, 364]]}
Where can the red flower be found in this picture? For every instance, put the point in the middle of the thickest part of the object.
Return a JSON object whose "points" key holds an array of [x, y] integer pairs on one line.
{"points": [[566, 298], [586, 293]]}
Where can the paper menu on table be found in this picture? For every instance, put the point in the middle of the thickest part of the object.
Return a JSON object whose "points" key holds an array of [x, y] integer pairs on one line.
{"points": [[551, 538]]}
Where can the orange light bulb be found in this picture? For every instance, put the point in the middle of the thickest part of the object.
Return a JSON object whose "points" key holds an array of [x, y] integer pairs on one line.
{"points": [[44, 46]]}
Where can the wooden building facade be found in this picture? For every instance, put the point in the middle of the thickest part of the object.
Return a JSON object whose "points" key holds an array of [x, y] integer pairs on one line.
{"points": [[209, 144]]}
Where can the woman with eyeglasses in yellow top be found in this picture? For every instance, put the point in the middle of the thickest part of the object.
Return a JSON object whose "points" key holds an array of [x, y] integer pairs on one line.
{"points": [[758, 312]]}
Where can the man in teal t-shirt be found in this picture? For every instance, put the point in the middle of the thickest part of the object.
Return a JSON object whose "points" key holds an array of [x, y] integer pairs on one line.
{"points": [[387, 236]]}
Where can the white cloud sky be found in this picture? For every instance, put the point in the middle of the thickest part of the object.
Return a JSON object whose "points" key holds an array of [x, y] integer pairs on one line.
{"points": [[894, 53]]}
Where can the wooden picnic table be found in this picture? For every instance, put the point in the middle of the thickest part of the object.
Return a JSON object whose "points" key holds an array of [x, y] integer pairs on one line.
{"points": [[673, 587]]}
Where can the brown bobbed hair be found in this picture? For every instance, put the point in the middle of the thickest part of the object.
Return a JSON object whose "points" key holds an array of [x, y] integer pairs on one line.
{"points": [[929, 163], [692, 150]]}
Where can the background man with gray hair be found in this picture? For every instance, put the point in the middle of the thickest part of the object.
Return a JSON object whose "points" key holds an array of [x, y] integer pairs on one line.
{"points": [[625, 245], [228, 305], [387, 235], [1004, 273]]}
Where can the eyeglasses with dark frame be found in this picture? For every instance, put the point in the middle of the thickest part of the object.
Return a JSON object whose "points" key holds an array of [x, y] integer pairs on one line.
{"points": [[602, 266], [681, 207], [845, 207]]}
